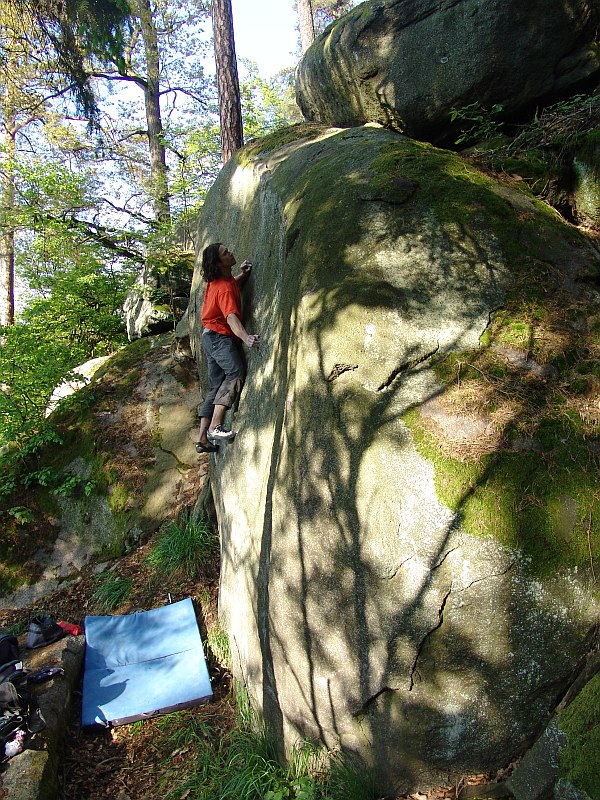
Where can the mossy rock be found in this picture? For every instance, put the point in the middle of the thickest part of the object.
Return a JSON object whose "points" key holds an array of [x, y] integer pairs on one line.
{"points": [[433, 598], [580, 758]]}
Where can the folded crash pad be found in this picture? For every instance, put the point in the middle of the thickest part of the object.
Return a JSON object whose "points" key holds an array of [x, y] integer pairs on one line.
{"points": [[141, 665]]}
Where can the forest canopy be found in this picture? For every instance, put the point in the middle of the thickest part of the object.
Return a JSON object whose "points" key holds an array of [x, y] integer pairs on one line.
{"points": [[110, 139]]}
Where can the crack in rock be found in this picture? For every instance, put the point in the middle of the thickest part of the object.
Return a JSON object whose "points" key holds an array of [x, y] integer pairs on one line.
{"points": [[487, 577], [371, 700], [410, 364], [179, 465], [426, 637], [398, 568], [444, 557], [339, 369]]}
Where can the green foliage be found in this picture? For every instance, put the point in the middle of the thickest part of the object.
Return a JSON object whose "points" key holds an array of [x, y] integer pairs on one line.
{"points": [[541, 152], [580, 759], [111, 591], [17, 628], [267, 106], [34, 359], [71, 483], [19, 464], [21, 514], [243, 764], [558, 126], [198, 145], [74, 313], [32, 363], [186, 547], [479, 120]]}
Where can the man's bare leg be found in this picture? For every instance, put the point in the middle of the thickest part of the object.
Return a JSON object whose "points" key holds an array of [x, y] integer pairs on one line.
{"points": [[217, 417], [204, 423]]}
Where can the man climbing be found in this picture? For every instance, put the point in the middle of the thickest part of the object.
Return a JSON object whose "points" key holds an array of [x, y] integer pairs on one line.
{"points": [[222, 339]]}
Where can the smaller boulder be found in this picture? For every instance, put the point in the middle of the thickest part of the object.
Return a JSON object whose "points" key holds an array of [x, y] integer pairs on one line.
{"points": [[406, 63]]}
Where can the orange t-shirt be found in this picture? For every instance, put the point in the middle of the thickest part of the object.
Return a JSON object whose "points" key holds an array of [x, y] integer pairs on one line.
{"points": [[221, 298]]}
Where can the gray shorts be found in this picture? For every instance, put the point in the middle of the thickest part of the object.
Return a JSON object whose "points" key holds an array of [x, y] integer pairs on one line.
{"points": [[226, 370]]}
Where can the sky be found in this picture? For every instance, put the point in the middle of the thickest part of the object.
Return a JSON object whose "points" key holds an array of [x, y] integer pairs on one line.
{"points": [[265, 33]]}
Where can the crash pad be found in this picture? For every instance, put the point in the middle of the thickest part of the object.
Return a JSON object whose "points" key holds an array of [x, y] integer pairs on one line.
{"points": [[141, 665]]}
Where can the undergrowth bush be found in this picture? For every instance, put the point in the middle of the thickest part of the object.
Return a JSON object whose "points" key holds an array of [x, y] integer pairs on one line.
{"points": [[186, 547]]}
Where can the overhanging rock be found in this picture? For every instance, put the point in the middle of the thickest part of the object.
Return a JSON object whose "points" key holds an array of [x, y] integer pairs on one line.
{"points": [[407, 63]]}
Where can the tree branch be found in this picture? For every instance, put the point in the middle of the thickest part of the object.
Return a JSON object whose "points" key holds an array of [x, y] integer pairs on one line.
{"points": [[107, 76], [196, 97]]}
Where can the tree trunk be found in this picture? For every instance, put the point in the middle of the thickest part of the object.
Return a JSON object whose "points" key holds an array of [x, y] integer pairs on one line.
{"points": [[7, 239], [230, 106], [158, 159], [307, 24], [7, 205]]}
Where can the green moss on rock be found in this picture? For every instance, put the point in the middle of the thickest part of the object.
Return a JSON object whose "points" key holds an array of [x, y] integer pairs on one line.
{"points": [[580, 759], [539, 502], [276, 139]]}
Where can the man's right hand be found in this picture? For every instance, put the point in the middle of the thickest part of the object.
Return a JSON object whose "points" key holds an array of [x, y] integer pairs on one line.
{"points": [[252, 340]]}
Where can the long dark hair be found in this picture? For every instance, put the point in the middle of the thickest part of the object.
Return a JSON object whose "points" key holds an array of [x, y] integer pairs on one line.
{"points": [[210, 262]]}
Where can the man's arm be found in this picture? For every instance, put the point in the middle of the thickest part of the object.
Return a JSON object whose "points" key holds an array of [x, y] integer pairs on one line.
{"points": [[234, 322]]}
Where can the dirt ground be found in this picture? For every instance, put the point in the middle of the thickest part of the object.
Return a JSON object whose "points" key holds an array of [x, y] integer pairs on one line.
{"points": [[138, 761]]}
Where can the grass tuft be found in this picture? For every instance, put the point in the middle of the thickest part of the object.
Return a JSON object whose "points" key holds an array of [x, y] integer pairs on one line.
{"points": [[186, 548], [243, 764], [111, 591], [218, 644]]}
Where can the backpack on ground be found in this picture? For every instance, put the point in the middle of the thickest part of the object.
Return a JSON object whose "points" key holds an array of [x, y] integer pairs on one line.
{"points": [[19, 709], [12, 719], [10, 660]]}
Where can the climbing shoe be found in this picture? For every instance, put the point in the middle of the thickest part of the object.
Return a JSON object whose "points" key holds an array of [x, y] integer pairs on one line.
{"points": [[219, 434], [207, 448], [43, 630]]}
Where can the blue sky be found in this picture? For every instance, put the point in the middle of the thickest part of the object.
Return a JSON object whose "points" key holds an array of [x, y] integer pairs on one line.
{"points": [[265, 33]]}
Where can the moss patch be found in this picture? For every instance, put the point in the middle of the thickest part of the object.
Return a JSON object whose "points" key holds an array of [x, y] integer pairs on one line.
{"points": [[276, 139], [123, 370], [536, 487], [580, 759]]}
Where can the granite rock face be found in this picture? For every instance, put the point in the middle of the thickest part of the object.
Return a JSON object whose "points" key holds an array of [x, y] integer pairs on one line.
{"points": [[359, 611], [407, 63]]}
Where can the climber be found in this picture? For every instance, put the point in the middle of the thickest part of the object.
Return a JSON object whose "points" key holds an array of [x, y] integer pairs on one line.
{"points": [[222, 340]]}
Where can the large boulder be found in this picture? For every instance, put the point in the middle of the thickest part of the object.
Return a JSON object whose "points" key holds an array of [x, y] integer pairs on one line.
{"points": [[407, 63], [420, 609]]}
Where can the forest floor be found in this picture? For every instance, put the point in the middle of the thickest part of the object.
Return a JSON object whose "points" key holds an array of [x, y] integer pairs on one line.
{"points": [[149, 760]]}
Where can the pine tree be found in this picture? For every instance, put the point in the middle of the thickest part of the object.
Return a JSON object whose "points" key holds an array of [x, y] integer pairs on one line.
{"points": [[230, 107], [307, 24]]}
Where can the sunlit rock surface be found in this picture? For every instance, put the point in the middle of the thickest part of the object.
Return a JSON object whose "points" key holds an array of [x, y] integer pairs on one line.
{"points": [[359, 611]]}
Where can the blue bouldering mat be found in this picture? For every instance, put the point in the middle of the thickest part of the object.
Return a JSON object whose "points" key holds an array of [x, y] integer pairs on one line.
{"points": [[141, 665]]}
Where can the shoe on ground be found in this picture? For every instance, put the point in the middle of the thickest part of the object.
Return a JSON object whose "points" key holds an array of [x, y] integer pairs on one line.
{"points": [[219, 434], [43, 630], [207, 448]]}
